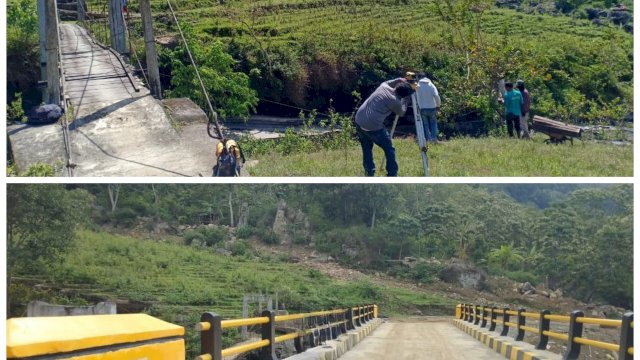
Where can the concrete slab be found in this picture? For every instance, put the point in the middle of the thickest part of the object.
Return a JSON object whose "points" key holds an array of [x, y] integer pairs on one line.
{"points": [[37, 144], [423, 338]]}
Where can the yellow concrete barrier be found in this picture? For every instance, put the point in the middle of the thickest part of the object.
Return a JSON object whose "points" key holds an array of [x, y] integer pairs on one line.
{"points": [[93, 337]]}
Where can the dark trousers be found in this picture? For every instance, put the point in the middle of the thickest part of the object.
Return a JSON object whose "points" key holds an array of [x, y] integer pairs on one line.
{"points": [[381, 138], [513, 121]]}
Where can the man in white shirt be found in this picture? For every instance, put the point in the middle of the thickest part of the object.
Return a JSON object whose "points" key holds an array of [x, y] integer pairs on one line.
{"points": [[429, 101]]}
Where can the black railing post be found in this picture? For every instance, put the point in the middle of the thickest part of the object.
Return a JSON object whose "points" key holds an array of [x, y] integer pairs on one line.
{"points": [[492, 325], [505, 320], [371, 312], [575, 330], [298, 343], [483, 322], [350, 323], [269, 333], [476, 320], [626, 337], [470, 319], [357, 316], [344, 325], [211, 340], [465, 313], [521, 322], [543, 325], [364, 319]]}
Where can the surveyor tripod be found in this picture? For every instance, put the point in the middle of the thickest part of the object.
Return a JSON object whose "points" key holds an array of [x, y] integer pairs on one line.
{"points": [[422, 141]]}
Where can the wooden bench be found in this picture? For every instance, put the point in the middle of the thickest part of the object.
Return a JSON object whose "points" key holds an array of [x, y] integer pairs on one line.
{"points": [[557, 131]]}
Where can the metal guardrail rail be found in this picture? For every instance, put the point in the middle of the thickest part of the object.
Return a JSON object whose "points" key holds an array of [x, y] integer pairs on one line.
{"points": [[327, 324], [483, 316]]}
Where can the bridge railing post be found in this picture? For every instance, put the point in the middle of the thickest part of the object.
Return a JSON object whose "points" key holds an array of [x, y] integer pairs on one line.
{"points": [[543, 325], [269, 333], [521, 322], [211, 339], [478, 315], [473, 314], [626, 337], [356, 315], [343, 325], [371, 312], [505, 320], [575, 330], [492, 321], [350, 322], [483, 322], [464, 312]]}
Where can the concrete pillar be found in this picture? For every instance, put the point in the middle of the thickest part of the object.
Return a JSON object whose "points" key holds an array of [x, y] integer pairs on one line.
{"points": [[150, 49], [116, 26], [42, 36], [82, 14], [53, 72]]}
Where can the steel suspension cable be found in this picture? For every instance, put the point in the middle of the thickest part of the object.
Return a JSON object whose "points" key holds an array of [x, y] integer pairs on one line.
{"points": [[204, 90]]}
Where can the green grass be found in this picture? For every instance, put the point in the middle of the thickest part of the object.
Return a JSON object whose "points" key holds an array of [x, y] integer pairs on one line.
{"points": [[179, 282], [489, 156]]}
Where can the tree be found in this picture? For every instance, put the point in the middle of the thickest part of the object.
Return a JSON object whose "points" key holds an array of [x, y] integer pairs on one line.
{"points": [[505, 256], [41, 223]]}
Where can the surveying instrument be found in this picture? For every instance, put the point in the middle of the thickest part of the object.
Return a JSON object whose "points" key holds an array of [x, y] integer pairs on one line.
{"points": [[422, 141]]}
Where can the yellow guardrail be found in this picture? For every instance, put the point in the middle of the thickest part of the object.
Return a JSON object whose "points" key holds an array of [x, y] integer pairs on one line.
{"points": [[484, 316], [330, 323]]}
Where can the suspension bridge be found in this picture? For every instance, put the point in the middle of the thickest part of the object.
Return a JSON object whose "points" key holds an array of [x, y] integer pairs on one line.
{"points": [[112, 126]]}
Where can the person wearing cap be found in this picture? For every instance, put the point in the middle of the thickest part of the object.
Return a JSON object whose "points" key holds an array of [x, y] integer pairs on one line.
{"points": [[429, 101], [526, 105], [513, 108], [370, 123]]}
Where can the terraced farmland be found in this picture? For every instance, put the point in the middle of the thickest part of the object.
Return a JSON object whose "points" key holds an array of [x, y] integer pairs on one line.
{"points": [[315, 54]]}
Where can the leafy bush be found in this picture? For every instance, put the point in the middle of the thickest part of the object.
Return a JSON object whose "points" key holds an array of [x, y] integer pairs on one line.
{"points": [[15, 112], [426, 272], [269, 237], [39, 170], [240, 248], [205, 235], [246, 232]]}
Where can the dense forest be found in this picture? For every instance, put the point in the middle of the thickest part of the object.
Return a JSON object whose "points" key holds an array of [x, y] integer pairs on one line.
{"points": [[576, 237], [267, 56]]}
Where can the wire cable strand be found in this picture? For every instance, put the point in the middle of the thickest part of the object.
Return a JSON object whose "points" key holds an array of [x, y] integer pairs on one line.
{"points": [[204, 90]]}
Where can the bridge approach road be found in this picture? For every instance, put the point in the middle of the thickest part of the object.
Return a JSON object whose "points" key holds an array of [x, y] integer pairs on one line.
{"points": [[432, 338]]}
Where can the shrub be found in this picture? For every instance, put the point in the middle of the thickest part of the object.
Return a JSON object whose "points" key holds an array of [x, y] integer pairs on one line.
{"points": [[15, 111], [240, 248], [206, 235], [245, 232], [39, 170], [266, 235]]}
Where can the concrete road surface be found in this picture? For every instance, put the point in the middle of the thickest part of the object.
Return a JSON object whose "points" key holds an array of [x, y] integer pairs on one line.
{"points": [[414, 339]]}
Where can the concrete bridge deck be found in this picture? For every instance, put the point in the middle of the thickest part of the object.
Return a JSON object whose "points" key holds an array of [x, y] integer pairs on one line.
{"points": [[432, 338]]}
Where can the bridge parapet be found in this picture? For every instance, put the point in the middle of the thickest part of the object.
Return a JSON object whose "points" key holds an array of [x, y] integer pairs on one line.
{"points": [[483, 316], [321, 326]]}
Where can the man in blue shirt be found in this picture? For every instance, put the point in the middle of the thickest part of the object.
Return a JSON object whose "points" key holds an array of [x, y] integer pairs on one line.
{"points": [[513, 108]]}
